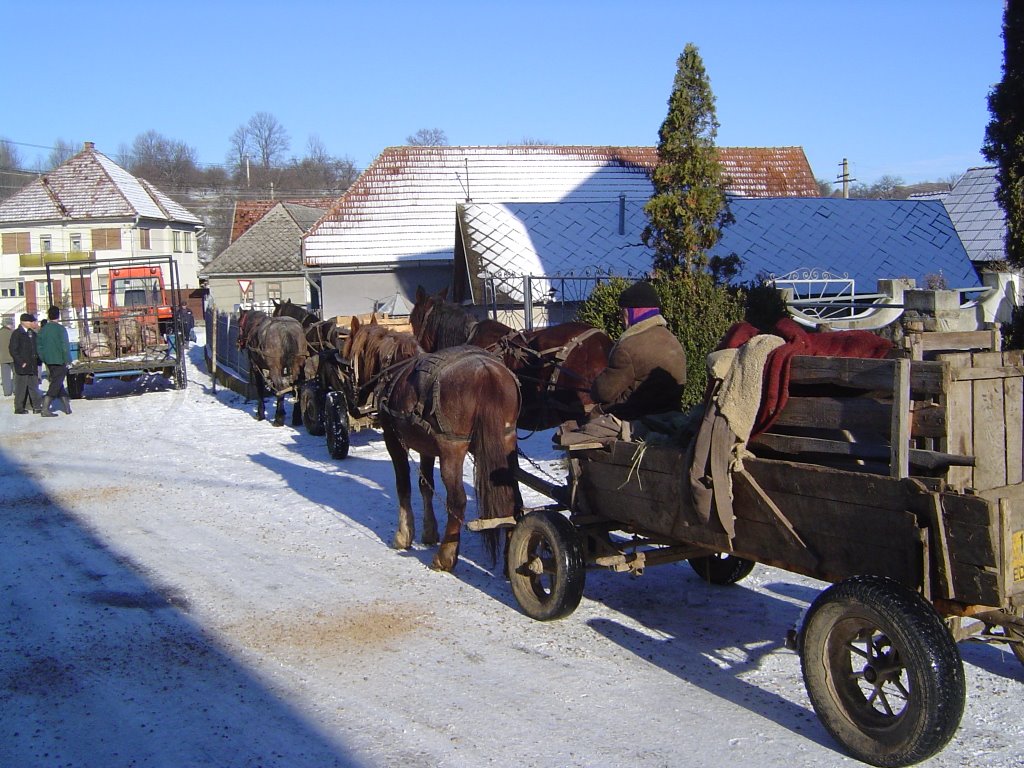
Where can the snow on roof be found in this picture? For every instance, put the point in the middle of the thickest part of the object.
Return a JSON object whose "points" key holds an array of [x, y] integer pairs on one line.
{"points": [[400, 208], [91, 186]]}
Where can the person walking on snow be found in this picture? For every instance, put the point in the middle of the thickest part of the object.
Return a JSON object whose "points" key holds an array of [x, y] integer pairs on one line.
{"points": [[26, 365], [6, 361], [55, 351]]}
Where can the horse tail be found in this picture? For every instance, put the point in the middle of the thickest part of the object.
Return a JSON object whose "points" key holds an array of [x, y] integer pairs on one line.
{"points": [[493, 445]]}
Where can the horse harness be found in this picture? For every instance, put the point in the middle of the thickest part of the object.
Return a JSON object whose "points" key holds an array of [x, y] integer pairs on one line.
{"points": [[516, 346], [426, 413]]}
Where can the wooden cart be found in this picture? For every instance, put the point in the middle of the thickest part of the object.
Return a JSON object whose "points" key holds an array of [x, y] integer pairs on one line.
{"points": [[899, 481]]}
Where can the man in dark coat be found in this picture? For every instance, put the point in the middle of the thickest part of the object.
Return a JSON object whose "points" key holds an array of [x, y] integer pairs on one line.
{"points": [[646, 370], [26, 366]]}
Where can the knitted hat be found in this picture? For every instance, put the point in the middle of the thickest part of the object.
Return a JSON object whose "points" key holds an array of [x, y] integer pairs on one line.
{"points": [[640, 294]]}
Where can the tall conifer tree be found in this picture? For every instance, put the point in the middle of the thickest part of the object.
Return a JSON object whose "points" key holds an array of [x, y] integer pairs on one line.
{"points": [[688, 208], [1004, 136]]}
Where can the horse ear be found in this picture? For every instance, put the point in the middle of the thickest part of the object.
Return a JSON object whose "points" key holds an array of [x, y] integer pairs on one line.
{"points": [[443, 293], [420, 294], [373, 319], [354, 325]]}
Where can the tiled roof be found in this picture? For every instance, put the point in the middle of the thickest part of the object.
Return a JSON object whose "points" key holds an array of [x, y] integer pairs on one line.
{"points": [[248, 212], [977, 215], [400, 208], [862, 239], [91, 186], [270, 246]]}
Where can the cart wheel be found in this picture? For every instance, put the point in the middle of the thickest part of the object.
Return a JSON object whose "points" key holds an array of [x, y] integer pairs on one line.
{"points": [[336, 425], [545, 566], [882, 671], [722, 568], [312, 403], [76, 385]]}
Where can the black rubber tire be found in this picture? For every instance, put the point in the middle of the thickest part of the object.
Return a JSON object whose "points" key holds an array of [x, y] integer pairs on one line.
{"points": [[722, 569], [882, 671], [312, 401], [545, 565], [180, 377], [76, 385], [336, 425]]}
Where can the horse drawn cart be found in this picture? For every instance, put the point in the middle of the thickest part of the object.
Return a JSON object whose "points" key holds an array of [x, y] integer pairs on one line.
{"points": [[899, 481]]}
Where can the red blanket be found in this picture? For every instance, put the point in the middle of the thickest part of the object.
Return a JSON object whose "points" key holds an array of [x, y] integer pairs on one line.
{"points": [[799, 342]]}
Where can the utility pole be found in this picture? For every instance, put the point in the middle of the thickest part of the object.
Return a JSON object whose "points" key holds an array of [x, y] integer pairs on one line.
{"points": [[845, 179]]}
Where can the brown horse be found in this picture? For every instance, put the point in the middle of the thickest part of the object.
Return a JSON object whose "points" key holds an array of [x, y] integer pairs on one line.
{"points": [[277, 352], [319, 374], [555, 366], [447, 404]]}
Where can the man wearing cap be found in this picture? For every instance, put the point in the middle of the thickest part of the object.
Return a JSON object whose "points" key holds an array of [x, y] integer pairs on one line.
{"points": [[26, 365], [646, 370]]}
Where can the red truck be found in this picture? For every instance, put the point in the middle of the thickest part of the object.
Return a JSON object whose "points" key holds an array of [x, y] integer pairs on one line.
{"points": [[128, 328]]}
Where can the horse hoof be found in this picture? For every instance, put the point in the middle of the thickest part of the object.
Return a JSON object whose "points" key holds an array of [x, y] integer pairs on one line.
{"points": [[430, 541], [277, 423], [401, 545], [440, 565]]}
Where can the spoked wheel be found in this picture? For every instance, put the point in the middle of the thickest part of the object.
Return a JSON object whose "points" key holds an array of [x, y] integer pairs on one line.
{"points": [[722, 568], [882, 671], [545, 566], [336, 424], [312, 402]]}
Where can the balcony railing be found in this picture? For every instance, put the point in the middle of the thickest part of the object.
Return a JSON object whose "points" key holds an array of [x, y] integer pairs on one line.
{"points": [[29, 260]]}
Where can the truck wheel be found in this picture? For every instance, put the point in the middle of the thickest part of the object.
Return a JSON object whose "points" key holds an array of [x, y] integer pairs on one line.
{"points": [[722, 569], [336, 425], [76, 385], [545, 566], [312, 401], [882, 671]]}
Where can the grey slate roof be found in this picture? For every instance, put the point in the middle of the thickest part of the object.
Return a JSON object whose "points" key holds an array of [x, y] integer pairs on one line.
{"points": [[862, 239], [977, 215], [91, 186], [270, 246]]}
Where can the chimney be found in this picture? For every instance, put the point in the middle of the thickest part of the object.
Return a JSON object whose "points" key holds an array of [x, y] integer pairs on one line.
{"points": [[89, 145]]}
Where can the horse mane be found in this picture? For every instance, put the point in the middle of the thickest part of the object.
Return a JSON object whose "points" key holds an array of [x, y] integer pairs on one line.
{"points": [[379, 347]]}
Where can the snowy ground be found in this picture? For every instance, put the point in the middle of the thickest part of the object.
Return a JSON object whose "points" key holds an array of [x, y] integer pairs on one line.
{"points": [[184, 586]]}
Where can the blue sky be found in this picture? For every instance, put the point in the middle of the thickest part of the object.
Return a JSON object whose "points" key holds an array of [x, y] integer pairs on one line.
{"points": [[897, 87]]}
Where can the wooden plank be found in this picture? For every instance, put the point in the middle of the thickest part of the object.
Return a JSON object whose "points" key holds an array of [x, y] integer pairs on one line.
{"points": [[988, 372], [989, 433], [795, 445], [959, 412], [858, 373], [1013, 419], [899, 460], [853, 414], [828, 485], [928, 420], [949, 340]]}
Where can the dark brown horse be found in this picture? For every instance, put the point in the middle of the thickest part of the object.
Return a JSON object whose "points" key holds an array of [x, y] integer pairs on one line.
{"points": [[320, 374], [277, 352], [555, 366], [447, 404]]}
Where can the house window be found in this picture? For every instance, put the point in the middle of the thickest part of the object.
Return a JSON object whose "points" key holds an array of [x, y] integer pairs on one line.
{"points": [[16, 242], [274, 291], [12, 289], [45, 244], [75, 241], [106, 239], [188, 242], [176, 237], [144, 239]]}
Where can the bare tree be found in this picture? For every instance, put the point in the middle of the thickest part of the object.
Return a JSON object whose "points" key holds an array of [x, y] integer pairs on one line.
{"points": [[427, 137], [12, 178], [268, 138], [239, 143], [61, 152], [530, 141], [166, 162]]}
